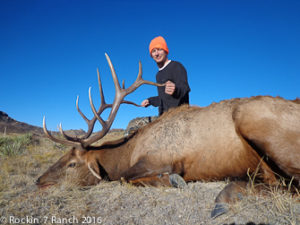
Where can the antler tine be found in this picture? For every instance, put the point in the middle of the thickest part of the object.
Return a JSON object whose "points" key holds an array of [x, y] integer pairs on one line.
{"points": [[90, 123], [105, 126], [61, 141], [120, 94], [100, 87], [67, 137], [130, 103], [94, 110], [113, 73], [103, 106], [139, 76], [140, 81], [80, 112]]}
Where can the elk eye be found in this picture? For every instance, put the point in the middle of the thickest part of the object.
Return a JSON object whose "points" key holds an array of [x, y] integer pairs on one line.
{"points": [[72, 165]]}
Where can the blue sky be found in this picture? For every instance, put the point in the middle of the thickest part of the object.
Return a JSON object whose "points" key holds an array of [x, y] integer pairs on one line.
{"points": [[50, 50]]}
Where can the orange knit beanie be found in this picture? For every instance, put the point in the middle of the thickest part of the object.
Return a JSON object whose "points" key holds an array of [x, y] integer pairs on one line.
{"points": [[158, 42]]}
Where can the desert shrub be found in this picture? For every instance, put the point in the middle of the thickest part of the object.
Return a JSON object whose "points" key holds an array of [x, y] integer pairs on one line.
{"points": [[14, 145], [59, 146]]}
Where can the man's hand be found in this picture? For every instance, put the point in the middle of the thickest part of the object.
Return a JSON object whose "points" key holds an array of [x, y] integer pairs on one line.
{"points": [[170, 88], [145, 103]]}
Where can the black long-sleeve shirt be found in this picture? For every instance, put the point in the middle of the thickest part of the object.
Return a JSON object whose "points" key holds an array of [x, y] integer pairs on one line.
{"points": [[176, 73]]}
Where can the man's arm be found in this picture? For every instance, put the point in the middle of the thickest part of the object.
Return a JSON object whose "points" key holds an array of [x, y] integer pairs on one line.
{"points": [[181, 82], [179, 86], [154, 101]]}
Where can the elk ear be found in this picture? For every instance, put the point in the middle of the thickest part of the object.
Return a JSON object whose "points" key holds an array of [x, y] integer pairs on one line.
{"points": [[94, 169]]}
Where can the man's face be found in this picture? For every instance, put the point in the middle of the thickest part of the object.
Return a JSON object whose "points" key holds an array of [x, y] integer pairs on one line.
{"points": [[159, 55]]}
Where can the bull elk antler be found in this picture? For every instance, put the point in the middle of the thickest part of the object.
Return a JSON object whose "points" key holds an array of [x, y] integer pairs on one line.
{"points": [[121, 93]]}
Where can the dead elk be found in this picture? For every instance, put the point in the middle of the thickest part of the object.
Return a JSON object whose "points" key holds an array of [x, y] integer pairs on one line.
{"points": [[231, 139]]}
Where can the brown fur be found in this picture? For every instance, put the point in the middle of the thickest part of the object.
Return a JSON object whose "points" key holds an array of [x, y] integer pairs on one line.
{"points": [[224, 140]]}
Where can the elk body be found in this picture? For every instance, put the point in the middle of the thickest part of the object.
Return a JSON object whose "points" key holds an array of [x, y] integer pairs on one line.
{"points": [[230, 139]]}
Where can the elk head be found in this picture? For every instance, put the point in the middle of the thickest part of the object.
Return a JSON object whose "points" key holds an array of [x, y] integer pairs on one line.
{"points": [[75, 167], [79, 164]]}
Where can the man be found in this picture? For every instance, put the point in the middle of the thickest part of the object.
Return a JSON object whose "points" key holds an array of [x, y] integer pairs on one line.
{"points": [[172, 74]]}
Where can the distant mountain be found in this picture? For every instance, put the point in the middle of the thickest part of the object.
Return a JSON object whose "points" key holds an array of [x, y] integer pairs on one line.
{"points": [[8, 125]]}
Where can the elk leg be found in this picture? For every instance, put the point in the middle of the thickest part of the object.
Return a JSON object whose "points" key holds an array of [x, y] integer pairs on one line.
{"points": [[158, 180], [144, 168], [143, 172], [232, 192], [165, 180], [278, 144], [236, 191]]}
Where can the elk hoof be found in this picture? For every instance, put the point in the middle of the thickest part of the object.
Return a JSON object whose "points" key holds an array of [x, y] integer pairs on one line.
{"points": [[177, 181], [220, 209]]}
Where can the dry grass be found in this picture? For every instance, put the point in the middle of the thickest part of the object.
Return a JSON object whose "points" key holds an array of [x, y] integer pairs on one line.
{"points": [[14, 145], [115, 203]]}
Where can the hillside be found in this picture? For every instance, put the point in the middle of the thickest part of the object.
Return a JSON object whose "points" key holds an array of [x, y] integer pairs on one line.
{"points": [[9, 125]]}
